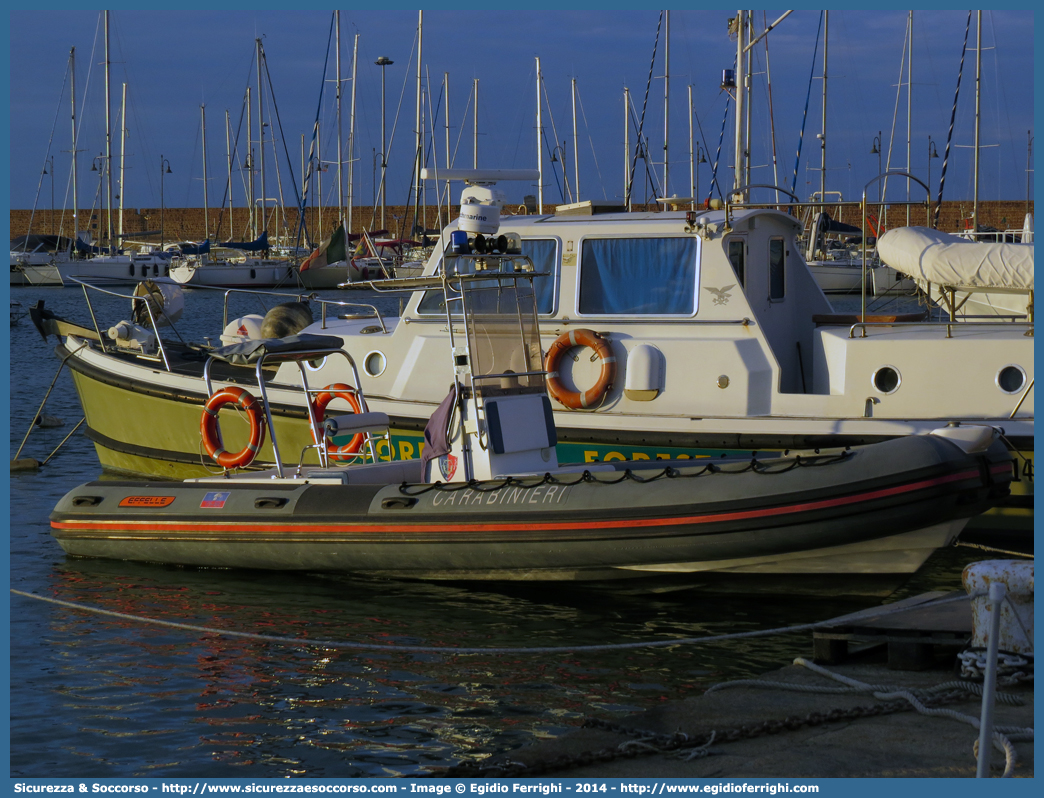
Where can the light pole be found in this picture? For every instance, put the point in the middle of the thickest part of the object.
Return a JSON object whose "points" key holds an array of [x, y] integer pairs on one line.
{"points": [[51, 173], [163, 162], [932, 153], [382, 62]]}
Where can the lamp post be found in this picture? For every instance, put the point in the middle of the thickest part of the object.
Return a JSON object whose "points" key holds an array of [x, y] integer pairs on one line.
{"points": [[163, 162], [932, 153], [51, 173], [382, 62]]}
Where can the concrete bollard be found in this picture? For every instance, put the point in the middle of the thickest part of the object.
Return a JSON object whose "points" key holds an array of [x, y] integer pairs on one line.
{"points": [[1016, 621]]}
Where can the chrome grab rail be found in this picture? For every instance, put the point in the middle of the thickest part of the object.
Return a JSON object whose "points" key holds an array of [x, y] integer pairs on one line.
{"points": [[949, 325], [94, 318]]}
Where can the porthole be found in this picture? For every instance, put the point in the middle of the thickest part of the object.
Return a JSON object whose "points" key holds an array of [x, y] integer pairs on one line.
{"points": [[1011, 379], [886, 379], [315, 365], [375, 363]]}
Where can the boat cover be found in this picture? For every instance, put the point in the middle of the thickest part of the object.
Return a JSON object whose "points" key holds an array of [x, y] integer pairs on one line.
{"points": [[195, 249], [258, 245], [946, 259], [249, 352]]}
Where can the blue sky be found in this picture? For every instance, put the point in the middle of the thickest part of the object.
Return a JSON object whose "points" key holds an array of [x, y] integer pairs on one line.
{"points": [[173, 61]]}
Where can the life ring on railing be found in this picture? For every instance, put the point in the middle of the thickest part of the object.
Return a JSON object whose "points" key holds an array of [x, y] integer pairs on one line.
{"points": [[208, 427], [339, 390], [563, 343]]}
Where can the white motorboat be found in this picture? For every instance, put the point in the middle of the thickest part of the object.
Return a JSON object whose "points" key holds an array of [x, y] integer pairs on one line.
{"points": [[667, 335]]}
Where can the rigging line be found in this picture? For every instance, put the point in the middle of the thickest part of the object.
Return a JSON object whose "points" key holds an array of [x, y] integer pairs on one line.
{"points": [[650, 176], [50, 141], [953, 117], [895, 112], [337, 644], [706, 149], [282, 136], [590, 140], [717, 155], [999, 92], [808, 97], [463, 121], [435, 159], [645, 105], [302, 227], [554, 129]]}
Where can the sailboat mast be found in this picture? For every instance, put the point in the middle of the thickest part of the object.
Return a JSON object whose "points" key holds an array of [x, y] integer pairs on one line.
{"points": [[351, 135], [978, 79], [474, 119], [206, 196], [822, 137], [692, 159], [666, 94], [627, 145], [909, 106], [540, 151], [228, 151], [340, 138], [420, 142], [576, 149], [741, 29], [123, 153], [108, 140], [72, 98], [260, 213], [747, 137], [251, 215]]}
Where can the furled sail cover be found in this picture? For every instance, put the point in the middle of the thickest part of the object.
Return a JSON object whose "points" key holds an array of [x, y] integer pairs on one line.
{"points": [[946, 259], [258, 245]]}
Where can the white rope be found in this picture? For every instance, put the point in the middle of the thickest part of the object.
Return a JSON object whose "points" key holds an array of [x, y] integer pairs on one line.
{"points": [[465, 650], [1000, 741]]}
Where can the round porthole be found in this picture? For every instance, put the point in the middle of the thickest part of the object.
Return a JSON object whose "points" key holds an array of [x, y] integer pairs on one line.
{"points": [[886, 379], [375, 363], [315, 365], [1011, 379]]}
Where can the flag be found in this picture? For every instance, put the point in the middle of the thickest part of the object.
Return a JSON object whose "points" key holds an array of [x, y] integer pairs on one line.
{"points": [[330, 251]]}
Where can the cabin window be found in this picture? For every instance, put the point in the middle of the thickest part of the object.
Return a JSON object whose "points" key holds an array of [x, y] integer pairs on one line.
{"points": [[638, 276], [737, 257], [777, 268], [544, 254]]}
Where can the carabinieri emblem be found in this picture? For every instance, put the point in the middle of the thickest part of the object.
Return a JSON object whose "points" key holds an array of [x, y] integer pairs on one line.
{"points": [[721, 295]]}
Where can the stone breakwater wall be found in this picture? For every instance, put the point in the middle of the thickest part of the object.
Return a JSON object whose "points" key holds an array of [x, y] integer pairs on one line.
{"points": [[187, 224]]}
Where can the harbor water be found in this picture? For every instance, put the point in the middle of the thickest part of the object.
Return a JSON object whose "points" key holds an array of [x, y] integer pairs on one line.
{"points": [[97, 696]]}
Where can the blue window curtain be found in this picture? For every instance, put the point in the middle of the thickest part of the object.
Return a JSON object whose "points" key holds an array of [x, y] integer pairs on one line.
{"points": [[638, 276]]}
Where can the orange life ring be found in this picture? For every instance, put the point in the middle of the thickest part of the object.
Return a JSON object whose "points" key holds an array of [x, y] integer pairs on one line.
{"points": [[592, 396], [208, 427], [338, 391]]}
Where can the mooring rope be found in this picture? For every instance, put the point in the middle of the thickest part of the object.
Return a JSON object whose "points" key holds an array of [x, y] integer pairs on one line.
{"points": [[473, 650], [1001, 735]]}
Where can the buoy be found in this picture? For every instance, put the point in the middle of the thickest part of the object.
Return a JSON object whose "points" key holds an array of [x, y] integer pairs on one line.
{"points": [[25, 464]]}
